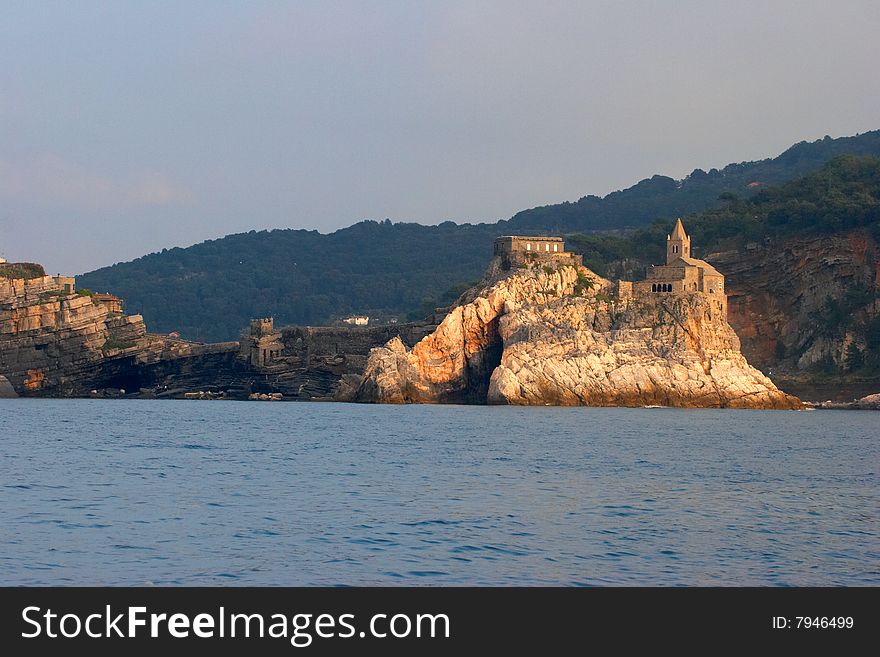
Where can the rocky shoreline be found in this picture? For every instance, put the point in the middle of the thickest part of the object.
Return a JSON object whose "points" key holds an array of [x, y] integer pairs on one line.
{"points": [[867, 403], [543, 334]]}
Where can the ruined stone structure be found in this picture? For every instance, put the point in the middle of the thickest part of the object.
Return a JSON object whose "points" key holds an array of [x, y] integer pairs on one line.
{"points": [[517, 250], [681, 274], [261, 343], [111, 302], [66, 284]]}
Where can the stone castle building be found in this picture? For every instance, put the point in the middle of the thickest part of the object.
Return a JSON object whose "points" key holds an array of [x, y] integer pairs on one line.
{"points": [[681, 274], [261, 343], [515, 250]]}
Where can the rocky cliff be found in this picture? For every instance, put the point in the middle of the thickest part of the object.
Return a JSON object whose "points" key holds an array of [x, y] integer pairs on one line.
{"points": [[55, 342], [799, 303], [546, 335], [50, 339]]}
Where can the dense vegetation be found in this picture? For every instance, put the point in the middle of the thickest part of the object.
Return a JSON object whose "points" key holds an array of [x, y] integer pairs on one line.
{"points": [[209, 291], [21, 270], [842, 195], [662, 197]]}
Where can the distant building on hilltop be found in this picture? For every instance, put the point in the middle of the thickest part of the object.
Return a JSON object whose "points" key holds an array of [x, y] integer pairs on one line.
{"points": [[357, 320], [516, 250]]}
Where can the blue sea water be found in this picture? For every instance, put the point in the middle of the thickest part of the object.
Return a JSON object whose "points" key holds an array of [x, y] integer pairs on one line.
{"points": [[106, 492]]}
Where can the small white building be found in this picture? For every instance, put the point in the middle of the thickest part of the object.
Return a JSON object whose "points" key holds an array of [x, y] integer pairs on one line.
{"points": [[357, 320]]}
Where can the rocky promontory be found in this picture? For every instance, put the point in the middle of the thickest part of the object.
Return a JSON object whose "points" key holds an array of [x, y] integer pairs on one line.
{"points": [[57, 341], [559, 335]]}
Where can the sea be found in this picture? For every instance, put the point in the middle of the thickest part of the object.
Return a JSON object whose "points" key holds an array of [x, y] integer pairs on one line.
{"points": [[138, 492]]}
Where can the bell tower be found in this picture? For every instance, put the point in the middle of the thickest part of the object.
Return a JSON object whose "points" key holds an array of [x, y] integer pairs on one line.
{"points": [[678, 244]]}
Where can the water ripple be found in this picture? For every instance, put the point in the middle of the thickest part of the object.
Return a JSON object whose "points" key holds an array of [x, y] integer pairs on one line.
{"points": [[317, 494]]}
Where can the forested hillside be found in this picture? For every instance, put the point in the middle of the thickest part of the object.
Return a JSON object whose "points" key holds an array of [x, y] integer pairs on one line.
{"points": [[209, 291]]}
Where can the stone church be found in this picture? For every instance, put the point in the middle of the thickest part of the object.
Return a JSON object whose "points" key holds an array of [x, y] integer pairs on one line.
{"points": [[681, 274]]}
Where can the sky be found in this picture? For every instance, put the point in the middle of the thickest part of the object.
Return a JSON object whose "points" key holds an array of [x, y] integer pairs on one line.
{"points": [[127, 126]]}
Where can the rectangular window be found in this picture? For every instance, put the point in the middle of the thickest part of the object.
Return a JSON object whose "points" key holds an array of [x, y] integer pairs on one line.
{"points": [[528, 246]]}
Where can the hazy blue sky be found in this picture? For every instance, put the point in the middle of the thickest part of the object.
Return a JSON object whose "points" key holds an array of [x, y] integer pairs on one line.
{"points": [[126, 127]]}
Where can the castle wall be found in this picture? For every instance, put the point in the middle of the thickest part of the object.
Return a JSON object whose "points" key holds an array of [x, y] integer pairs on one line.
{"points": [[513, 243], [713, 284], [623, 289], [525, 258]]}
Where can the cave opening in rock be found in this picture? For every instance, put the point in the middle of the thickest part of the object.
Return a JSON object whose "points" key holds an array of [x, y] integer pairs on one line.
{"points": [[482, 364], [130, 381]]}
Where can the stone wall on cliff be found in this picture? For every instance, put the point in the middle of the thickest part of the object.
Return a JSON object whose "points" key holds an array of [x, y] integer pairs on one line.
{"points": [[543, 335], [317, 361]]}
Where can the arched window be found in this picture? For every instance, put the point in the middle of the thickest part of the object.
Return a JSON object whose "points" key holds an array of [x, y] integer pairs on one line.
{"points": [[653, 287]]}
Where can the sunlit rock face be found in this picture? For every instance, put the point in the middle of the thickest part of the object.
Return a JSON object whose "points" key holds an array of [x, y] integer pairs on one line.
{"points": [[545, 335]]}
